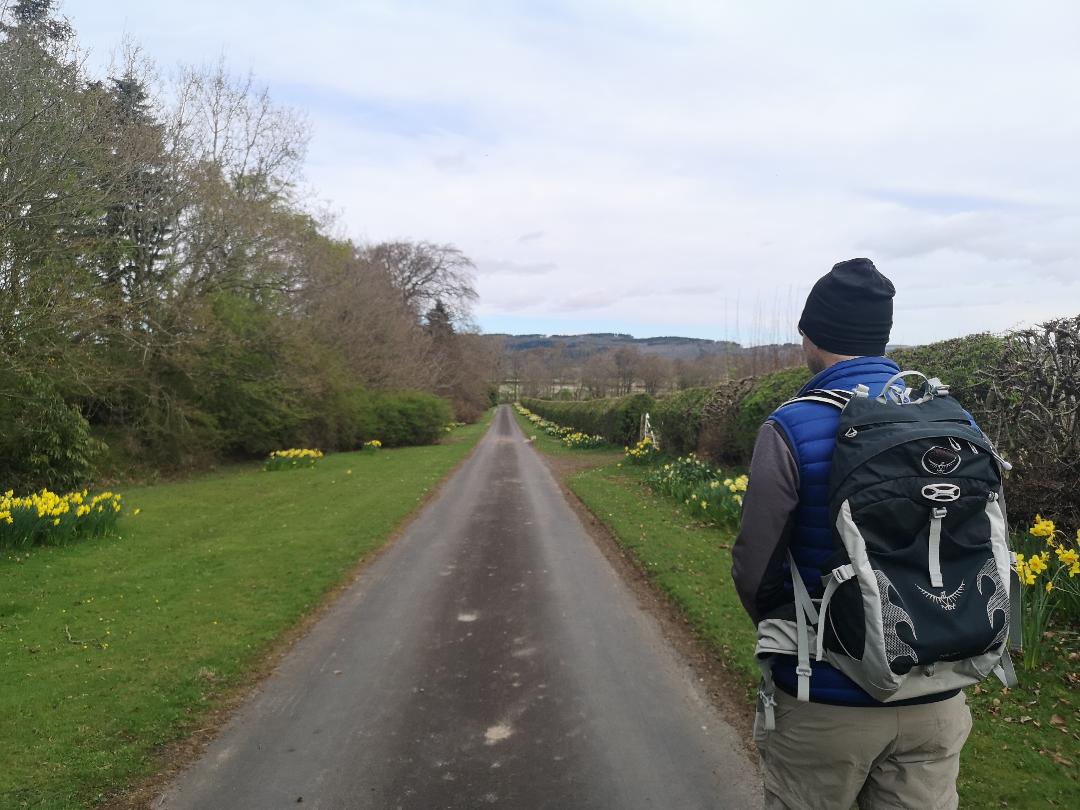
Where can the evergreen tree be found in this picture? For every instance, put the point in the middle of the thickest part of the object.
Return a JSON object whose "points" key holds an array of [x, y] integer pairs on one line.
{"points": [[36, 19]]}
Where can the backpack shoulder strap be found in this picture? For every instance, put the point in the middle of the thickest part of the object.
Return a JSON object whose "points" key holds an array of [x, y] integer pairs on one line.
{"points": [[838, 398]]}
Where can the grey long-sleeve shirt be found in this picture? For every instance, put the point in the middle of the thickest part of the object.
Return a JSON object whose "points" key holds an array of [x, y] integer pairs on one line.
{"points": [[768, 510], [768, 507]]}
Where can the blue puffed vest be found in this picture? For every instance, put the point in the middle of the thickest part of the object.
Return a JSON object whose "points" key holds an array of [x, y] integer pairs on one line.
{"points": [[810, 428]]}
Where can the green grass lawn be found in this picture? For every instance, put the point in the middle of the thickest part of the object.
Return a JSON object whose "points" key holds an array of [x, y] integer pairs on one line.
{"points": [[1024, 748], [114, 646]]}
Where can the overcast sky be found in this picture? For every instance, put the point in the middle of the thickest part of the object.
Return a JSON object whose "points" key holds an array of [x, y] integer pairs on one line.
{"points": [[684, 167]]}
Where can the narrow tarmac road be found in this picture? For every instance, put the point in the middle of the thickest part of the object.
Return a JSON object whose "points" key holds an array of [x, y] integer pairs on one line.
{"points": [[490, 658]]}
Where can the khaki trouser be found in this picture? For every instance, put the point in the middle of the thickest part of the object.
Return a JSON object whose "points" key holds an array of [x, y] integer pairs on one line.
{"points": [[823, 757]]}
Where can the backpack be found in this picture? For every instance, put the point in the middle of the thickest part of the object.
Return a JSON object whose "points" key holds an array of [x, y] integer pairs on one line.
{"points": [[916, 593]]}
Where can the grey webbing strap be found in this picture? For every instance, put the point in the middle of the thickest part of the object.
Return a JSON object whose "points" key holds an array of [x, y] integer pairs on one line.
{"points": [[805, 614], [1016, 627], [767, 695], [839, 577], [1005, 671], [936, 516]]}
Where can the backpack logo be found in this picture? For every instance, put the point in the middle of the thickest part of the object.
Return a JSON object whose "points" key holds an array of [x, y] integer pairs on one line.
{"points": [[941, 493], [943, 600], [940, 460]]}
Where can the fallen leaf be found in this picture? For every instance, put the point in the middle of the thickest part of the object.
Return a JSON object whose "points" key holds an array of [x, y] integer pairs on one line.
{"points": [[1057, 720], [1056, 757]]}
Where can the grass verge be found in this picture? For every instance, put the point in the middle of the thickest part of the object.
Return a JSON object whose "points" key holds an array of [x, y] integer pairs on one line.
{"points": [[114, 647], [551, 446], [1024, 747]]}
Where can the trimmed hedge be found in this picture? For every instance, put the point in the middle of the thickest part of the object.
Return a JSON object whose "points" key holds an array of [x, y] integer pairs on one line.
{"points": [[767, 394], [407, 418], [348, 417], [616, 419], [967, 365], [677, 419]]}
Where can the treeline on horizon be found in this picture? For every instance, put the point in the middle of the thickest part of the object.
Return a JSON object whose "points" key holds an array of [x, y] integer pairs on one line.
{"points": [[571, 367], [169, 295]]}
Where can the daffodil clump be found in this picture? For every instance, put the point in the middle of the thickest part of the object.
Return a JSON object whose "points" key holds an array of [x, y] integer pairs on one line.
{"points": [[453, 426], [705, 490], [292, 459], [374, 444], [49, 518], [644, 452], [583, 441], [1049, 570], [546, 425]]}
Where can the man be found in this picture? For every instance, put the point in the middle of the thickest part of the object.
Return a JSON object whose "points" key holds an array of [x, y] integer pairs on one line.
{"points": [[843, 746]]}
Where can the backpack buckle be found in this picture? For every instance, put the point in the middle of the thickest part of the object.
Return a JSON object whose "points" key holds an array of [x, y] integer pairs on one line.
{"points": [[844, 573], [804, 671]]}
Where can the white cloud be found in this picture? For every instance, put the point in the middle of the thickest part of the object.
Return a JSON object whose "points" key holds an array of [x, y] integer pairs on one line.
{"points": [[694, 162]]}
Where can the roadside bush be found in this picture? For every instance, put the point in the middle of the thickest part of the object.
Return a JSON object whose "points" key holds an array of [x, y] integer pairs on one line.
{"points": [[765, 396], [43, 441], [408, 417], [677, 419], [617, 419], [1033, 413], [965, 364], [719, 439]]}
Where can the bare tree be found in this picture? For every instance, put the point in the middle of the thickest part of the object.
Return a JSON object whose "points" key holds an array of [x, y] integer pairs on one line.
{"points": [[599, 376], [355, 307], [424, 273], [626, 368], [654, 372]]}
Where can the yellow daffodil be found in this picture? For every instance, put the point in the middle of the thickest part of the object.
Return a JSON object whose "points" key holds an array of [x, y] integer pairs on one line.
{"points": [[1042, 527]]}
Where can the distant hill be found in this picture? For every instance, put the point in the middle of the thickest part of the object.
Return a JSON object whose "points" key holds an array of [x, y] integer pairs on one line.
{"points": [[582, 346]]}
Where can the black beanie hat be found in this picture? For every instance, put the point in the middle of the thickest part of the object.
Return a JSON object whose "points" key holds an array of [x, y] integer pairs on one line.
{"points": [[850, 310]]}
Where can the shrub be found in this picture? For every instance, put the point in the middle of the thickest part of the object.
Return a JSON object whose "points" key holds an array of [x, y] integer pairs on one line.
{"points": [[408, 418], [718, 440], [965, 364], [765, 396], [43, 441], [677, 419], [1033, 412]]}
